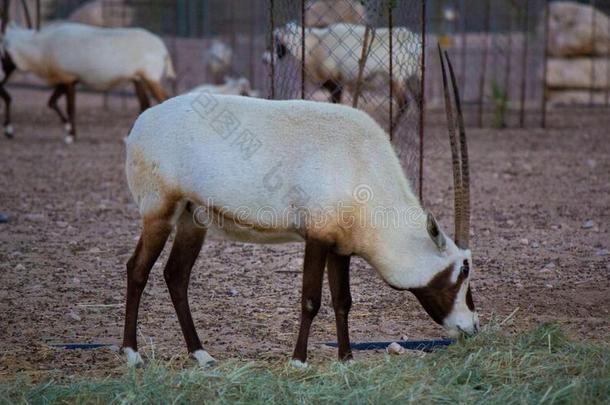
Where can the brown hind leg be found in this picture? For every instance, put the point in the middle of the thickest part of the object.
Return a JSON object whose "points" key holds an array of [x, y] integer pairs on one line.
{"points": [[58, 91], [8, 66], [338, 281], [187, 245], [311, 296], [141, 93], [154, 235], [156, 90]]}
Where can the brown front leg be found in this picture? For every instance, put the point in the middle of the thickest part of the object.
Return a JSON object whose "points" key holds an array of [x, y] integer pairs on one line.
{"points": [[71, 108], [313, 271], [8, 66], [338, 280]]}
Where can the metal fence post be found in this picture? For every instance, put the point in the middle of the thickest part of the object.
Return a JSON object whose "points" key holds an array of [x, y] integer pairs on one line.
{"points": [[391, 61], [482, 78], [422, 101], [302, 49], [272, 50], [593, 33], [525, 46], [545, 62]]}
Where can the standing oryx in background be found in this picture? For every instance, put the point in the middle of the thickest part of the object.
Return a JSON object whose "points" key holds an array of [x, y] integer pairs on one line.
{"points": [[65, 54], [255, 179]]}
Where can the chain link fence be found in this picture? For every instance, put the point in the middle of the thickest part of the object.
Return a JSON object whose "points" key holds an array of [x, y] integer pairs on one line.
{"points": [[372, 54], [365, 54]]}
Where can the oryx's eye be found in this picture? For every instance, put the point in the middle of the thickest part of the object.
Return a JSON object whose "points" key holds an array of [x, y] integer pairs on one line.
{"points": [[465, 268]]}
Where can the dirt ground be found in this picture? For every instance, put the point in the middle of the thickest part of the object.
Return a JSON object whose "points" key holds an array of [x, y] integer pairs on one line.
{"points": [[541, 223]]}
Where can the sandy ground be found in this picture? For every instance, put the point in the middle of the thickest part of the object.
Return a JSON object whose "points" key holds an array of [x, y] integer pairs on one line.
{"points": [[541, 219]]}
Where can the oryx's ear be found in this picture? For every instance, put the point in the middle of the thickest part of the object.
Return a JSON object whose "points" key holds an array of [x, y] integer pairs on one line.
{"points": [[435, 233]]}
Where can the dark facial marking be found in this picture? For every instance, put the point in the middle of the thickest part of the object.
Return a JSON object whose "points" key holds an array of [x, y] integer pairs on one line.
{"points": [[465, 268], [469, 300], [280, 50], [439, 295]]}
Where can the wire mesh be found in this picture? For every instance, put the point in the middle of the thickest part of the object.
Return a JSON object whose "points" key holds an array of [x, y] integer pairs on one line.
{"points": [[366, 54]]}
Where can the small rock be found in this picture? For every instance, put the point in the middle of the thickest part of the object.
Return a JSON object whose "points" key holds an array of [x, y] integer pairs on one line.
{"points": [[95, 249], [524, 241], [588, 224], [73, 315], [510, 222], [19, 267], [548, 268], [233, 292], [76, 280], [535, 245], [591, 163], [602, 252], [404, 337], [548, 285], [34, 217], [62, 224], [486, 232], [395, 349], [555, 227]]}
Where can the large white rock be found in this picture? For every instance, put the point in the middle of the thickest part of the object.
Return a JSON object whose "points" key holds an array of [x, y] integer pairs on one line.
{"points": [[578, 73], [577, 30], [557, 98], [321, 13], [104, 13]]}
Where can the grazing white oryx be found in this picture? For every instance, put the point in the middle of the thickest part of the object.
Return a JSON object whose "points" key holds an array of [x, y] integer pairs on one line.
{"points": [[266, 171], [65, 54]]}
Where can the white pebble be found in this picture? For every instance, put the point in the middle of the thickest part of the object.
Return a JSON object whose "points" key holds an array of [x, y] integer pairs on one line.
{"points": [[73, 315], [395, 348]]}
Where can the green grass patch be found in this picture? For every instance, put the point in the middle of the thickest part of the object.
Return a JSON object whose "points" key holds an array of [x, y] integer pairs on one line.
{"points": [[539, 366]]}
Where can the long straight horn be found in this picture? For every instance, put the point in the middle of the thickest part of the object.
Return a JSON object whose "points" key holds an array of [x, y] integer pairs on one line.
{"points": [[464, 237], [455, 158], [26, 12]]}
